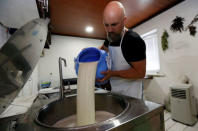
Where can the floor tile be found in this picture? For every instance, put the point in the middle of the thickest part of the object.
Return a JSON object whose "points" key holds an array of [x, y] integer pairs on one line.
{"points": [[190, 129], [167, 116], [196, 125], [169, 123], [177, 127]]}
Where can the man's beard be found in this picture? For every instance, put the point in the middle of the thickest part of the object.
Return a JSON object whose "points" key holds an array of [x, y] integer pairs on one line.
{"points": [[114, 37]]}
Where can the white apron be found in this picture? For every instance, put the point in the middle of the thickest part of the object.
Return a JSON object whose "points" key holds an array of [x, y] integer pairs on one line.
{"points": [[127, 87]]}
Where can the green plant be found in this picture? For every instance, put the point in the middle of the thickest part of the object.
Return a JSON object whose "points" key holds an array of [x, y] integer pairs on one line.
{"points": [[177, 25], [191, 27], [164, 40]]}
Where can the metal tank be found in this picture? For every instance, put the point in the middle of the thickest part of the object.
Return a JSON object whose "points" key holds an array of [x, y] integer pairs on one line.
{"points": [[130, 114]]}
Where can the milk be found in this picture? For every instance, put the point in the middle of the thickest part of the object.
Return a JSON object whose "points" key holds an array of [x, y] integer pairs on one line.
{"points": [[70, 121], [85, 93]]}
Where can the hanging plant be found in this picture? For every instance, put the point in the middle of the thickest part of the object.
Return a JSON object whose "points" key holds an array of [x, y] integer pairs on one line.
{"points": [[192, 30], [164, 40], [177, 25], [191, 27]]}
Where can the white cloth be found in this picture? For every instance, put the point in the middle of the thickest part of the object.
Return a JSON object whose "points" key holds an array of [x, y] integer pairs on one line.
{"points": [[119, 85]]}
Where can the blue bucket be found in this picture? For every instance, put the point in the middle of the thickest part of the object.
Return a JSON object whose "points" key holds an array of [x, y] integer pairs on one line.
{"points": [[93, 54]]}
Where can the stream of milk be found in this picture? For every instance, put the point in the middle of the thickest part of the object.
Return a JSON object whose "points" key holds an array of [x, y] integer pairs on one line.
{"points": [[85, 93]]}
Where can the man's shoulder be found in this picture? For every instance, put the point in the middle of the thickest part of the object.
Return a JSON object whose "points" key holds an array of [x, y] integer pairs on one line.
{"points": [[133, 42], [130, 34], [133, 47], [132, 37]]}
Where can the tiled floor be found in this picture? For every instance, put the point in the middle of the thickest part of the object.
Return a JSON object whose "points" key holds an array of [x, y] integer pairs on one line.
{"points": [[171, 125]]}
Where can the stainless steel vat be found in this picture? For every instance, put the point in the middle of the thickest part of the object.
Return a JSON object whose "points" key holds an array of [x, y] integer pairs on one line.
{"points": [[58, 110], [131, 115]]}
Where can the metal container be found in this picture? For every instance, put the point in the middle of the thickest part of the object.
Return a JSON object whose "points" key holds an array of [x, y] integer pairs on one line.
{"points": [[18, 58], [130, 115], [55, 111]]}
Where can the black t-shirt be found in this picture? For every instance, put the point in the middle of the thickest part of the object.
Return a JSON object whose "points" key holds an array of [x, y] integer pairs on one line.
{"points": [[133, 46]]}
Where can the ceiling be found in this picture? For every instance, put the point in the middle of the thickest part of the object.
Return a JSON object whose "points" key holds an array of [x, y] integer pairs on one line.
{"points": [[71, 17]]}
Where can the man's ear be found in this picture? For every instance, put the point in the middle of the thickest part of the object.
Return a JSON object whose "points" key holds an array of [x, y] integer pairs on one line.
{"points": [[124, 20]]}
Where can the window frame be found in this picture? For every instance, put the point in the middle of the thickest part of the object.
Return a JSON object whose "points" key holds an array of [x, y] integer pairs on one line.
{"points": [[153, 34]]}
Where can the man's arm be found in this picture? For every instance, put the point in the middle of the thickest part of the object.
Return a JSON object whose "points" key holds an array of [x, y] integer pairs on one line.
{"points": [[103, 47], [137, 71]]}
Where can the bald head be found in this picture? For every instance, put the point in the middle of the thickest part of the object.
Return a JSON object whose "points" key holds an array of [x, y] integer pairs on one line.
{"points": [[114, 20], [114, 9]]}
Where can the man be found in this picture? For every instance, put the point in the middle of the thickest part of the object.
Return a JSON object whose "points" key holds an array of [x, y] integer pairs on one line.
{"points": [[127, 53]]}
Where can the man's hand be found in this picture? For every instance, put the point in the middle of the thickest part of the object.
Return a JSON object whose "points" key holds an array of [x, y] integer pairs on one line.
{"points": [[107, 74], [136, 72]]}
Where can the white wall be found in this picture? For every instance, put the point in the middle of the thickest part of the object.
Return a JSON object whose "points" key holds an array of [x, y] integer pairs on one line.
{"points": [[15, 13], [65, 47], [182, 56]]}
